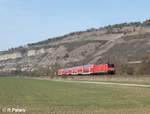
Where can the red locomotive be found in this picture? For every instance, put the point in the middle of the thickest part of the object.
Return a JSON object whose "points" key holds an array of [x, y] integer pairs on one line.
{"points": [[88, 69]]}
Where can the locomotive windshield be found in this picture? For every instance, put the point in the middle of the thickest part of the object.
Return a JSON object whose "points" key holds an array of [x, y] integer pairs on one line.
{"points": [[111, 65]]}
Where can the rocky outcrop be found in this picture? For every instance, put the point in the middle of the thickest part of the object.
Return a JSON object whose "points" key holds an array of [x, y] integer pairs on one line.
{"points": [[8, 56]]}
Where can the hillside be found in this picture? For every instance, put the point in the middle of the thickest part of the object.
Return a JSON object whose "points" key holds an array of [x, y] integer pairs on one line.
{"points": [[126, 45]]}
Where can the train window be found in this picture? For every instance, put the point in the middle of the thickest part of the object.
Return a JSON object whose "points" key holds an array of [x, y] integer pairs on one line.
{"points": [[111, 65]]}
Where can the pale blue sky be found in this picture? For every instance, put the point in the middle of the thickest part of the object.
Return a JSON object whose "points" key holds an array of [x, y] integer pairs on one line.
{"points": [[27, 21]]}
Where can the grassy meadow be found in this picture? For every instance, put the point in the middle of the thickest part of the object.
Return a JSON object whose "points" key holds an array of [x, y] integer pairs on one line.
{"points": [[45, 97]]}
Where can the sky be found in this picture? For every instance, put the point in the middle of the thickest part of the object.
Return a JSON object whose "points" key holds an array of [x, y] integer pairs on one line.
{"points": [[30, 21]]}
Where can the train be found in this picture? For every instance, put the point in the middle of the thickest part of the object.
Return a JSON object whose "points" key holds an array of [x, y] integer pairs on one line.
{"points": [[90, 69]]}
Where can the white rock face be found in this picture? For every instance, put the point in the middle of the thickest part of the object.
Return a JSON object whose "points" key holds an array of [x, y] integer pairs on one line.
{"points": [[50, 50], [41, 51], [36, 52], [10, 56], [31, 53]]}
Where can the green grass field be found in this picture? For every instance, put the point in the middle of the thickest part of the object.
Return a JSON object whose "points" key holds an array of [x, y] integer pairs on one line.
{"points": [[43, 96]]}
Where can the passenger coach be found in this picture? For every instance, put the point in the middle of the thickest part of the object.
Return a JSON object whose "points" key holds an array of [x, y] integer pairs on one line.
{"points": [[88, 69]]}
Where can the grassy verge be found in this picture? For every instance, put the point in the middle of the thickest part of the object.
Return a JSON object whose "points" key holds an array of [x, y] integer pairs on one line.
{"points": [[115, 79]]}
